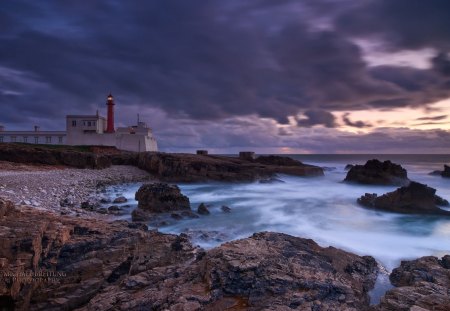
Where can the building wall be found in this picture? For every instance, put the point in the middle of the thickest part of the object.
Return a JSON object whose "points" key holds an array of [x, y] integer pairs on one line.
{"points": [[32, 137]]}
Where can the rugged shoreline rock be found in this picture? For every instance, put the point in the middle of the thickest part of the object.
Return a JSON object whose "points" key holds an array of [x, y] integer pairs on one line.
{"points": [[421, 284], [375, 172], [87, 264], [416, 198]]}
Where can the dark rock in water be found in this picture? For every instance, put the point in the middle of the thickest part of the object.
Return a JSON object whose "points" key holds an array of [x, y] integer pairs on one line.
{"points": [[416, 198], [225, 209], [176, 216], [120, 199], [202, 209], [435, 173], [137, 225], [113, 208], [271, 180], [421, 284], [189, 214], [161, 198], [105, 200], [349, 167], [375, 172], [278, 160], [446, 172]]}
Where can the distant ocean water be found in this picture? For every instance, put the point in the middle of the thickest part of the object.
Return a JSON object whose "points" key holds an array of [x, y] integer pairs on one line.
{"points": [[322, 208]]}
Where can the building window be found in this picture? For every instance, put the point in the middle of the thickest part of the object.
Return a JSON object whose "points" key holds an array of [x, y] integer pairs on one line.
{"points": [[13, 139], [1, 139], [89, 123], [25, 139], [60, 139], [74, 123], [48, 139], [93, 123], [36, 139]]}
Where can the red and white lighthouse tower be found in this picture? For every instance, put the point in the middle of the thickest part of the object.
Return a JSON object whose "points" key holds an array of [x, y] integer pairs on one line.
{"points": [[110, 121]]}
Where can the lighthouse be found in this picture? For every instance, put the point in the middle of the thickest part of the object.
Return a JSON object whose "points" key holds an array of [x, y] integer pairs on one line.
{"points": [[110, 121]]}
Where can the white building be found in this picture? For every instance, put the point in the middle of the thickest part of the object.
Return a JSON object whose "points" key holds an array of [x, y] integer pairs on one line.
{"points": [[33, 137], [92, 130]]}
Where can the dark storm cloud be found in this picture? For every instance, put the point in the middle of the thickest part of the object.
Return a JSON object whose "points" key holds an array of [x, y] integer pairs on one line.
{"points": [[209, 59], [317, 117], [358, 124], [402, 24]]}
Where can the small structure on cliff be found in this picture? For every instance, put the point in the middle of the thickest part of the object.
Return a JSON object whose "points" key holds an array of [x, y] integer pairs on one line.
{"points": [[90, 130]]}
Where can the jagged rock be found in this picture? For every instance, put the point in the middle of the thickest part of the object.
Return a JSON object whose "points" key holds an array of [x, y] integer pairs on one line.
{"points": [[435, 173], [416, 198], [87, 256], [225, 209], [161, 198], [202, 209], [378, 173], [268, 271], [421, 284], [120, 199]]}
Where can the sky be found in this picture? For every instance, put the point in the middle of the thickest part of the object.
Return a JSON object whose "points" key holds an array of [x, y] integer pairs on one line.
{"points": [[272, 76]]}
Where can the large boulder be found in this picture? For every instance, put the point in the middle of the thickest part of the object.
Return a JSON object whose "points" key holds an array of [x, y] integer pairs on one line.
{"points": [[161, 198], [416, 198], [375, 172], [421, 284]]}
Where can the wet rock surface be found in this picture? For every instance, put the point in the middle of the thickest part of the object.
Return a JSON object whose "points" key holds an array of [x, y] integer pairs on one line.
{"points": [[421, 284], [416, 198], [375, 172], [195, 168]]}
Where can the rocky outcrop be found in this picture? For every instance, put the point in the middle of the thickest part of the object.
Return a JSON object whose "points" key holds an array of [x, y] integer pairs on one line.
{"points": [[266, 271], [375, 172], [445, 173], [202, 209], [158, 198], [421, 284], [194, 168], [51, 262], [416, 198], [161, 198]]}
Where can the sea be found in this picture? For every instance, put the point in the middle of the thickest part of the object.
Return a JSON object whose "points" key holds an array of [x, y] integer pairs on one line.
{"points": [[323, 208]]}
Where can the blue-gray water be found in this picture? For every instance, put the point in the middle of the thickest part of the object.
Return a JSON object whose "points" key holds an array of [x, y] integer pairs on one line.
{"points": [[323, 209]]}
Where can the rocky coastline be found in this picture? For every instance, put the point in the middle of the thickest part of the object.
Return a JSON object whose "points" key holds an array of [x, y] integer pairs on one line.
{"points": [[51, 262], [58, 255]]}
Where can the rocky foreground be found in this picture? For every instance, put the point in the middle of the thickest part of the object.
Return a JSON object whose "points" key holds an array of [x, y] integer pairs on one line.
{"points": [[51, 262], [164, 166]]}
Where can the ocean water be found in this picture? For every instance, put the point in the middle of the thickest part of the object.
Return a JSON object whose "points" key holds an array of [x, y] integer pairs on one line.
{"points": [[320, 208]]}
